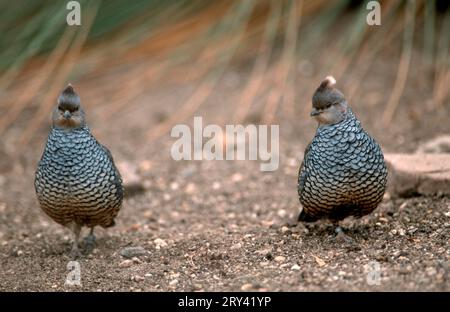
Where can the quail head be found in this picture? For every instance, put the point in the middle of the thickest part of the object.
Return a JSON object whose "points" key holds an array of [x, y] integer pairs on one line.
{"points": [[77, 183], [343, 172]]}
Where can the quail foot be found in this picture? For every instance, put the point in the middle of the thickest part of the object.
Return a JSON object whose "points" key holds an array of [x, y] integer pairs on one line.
{"points": [[343, 172], [76, 182]]}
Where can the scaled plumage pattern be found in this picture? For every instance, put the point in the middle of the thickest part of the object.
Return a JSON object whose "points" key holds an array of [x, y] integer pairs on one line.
{"points": [[77, 183], [343, 172]]}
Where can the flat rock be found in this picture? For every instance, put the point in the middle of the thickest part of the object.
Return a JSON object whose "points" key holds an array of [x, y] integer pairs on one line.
{"points": [[438, 145], [423, 174]]}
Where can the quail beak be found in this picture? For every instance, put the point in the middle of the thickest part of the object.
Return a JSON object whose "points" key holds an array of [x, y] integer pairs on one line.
{"points": [[66, 115], [315, 112]]}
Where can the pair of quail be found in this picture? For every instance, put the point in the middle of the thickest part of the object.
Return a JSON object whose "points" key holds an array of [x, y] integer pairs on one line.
{"points": [[342, 174]]}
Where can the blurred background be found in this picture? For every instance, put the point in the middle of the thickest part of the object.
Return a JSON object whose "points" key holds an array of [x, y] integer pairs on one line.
{"points": [[141, 67]]}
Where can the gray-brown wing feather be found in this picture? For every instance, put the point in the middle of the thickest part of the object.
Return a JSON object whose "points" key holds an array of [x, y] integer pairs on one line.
{"points": [[303, 172], [118, 178]]}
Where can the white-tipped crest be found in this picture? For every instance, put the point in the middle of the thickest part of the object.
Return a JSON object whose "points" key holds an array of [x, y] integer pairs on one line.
{"points": [[331, 80]]}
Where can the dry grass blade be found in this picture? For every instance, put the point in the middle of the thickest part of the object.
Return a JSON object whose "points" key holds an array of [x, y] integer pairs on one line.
{"points": [[285, 64], [390, 30], [429, 27], [292, 54], [350, 44], [39, 29], [38, 81], [261, 64], [62, 74], [403, 68], [441, 79], [171, 43], [205, 88], [441, 89]]}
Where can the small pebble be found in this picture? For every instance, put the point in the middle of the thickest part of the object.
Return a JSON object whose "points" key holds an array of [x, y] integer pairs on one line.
{"points": [[431, 271], [145, 165], [197, 286], [236, 177], [282, 213], [126, 263], [246, 287], [236, 246], [130, 252], [190, 188], [174, 186], [137, 278], [264, 252], [160, 243], [136, 260]]}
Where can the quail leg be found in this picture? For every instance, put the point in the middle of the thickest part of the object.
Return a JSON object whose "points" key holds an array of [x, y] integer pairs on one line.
{"points": [[338, 230], [75, 253], [340, 234], [89, 241]]}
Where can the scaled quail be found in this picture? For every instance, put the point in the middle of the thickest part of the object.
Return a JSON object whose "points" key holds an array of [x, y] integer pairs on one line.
{"points": [[77, 183], [343, 172]]}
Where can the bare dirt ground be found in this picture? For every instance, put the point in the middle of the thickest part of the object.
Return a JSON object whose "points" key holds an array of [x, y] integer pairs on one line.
{"points": [[225, 225]]}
